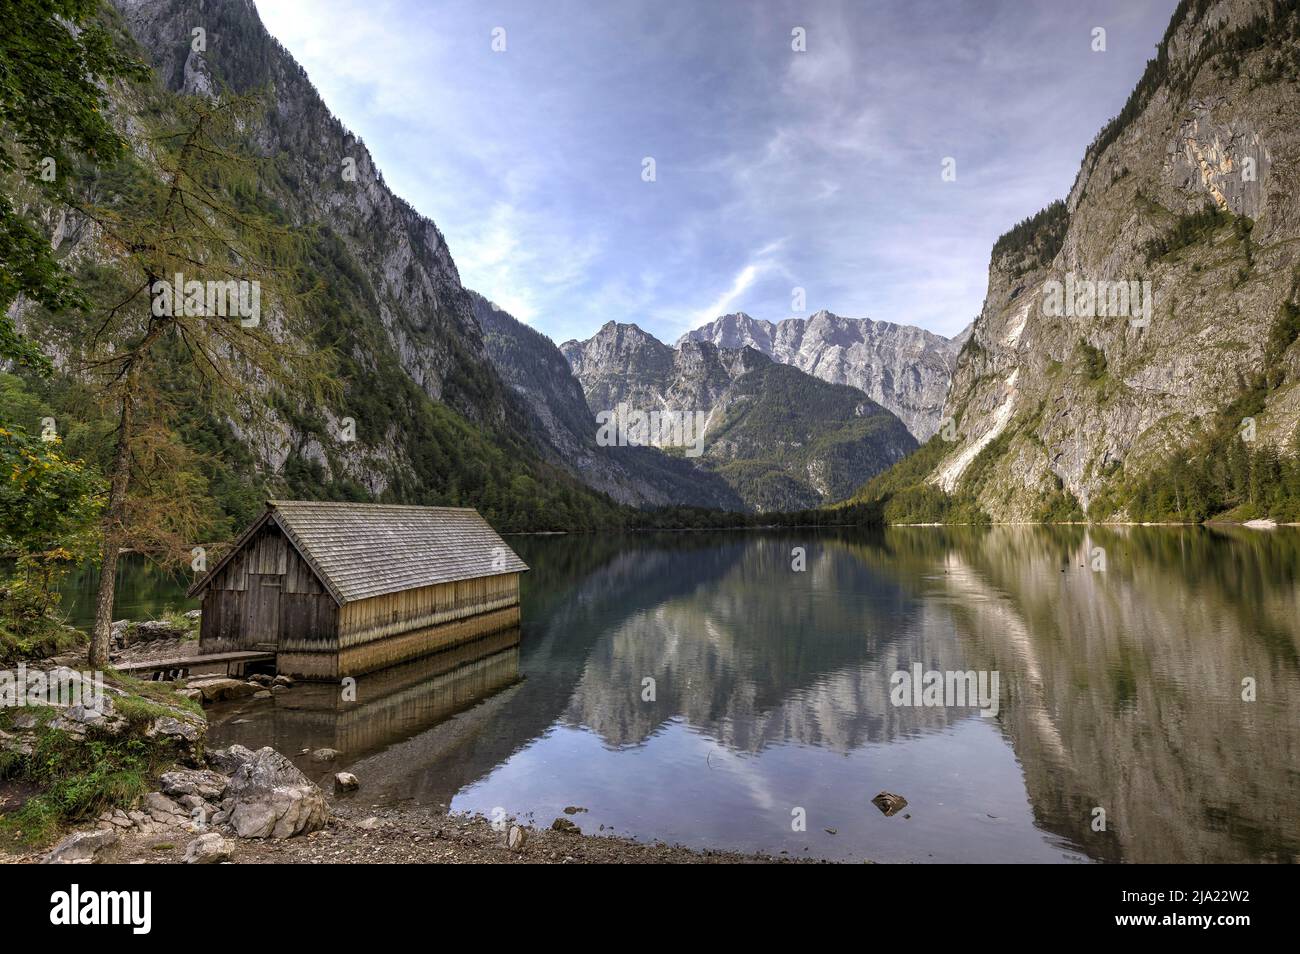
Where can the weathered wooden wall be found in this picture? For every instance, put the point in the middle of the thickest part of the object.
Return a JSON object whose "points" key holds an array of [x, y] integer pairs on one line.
{"points": [[267, 596], [396, 648]]}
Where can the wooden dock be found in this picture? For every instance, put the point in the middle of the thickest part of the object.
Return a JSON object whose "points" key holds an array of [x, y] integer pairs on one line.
{"points": [[178, 667]]}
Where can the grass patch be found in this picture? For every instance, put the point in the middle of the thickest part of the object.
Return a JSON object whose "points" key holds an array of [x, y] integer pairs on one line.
{"points": [[147, 693], [80, 778]]}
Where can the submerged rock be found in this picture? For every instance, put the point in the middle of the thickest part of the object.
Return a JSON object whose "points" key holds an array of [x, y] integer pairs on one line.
{"points": [[889, 803]]}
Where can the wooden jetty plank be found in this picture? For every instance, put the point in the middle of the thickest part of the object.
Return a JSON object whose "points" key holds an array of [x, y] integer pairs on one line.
{"points": [[188, 662]]}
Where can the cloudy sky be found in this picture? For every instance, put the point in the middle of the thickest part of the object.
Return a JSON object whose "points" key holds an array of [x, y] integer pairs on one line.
{"points": [[774, 169]]}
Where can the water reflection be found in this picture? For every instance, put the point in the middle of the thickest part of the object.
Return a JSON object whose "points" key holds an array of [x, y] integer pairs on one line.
{"points": [[1121, 690]]}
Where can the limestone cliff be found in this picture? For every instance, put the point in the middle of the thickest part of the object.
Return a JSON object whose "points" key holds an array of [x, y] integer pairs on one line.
{"points": [[1187, 203]]}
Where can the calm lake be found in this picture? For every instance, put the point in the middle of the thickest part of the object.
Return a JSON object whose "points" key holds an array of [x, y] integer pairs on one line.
{"points": [[1120, 674]]}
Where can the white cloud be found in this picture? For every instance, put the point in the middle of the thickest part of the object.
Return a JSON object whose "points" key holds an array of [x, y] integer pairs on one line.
{"points": [[744, 279]]}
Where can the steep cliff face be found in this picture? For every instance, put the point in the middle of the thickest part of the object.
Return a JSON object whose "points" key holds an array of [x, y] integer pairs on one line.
{"points": [[1187, 206], [906, 370], [780, 438], [421, 415], [551, 397], [330, 177]]}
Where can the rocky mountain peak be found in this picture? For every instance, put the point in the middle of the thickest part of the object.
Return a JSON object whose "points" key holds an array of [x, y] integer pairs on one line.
{"points": [[903, 368]]}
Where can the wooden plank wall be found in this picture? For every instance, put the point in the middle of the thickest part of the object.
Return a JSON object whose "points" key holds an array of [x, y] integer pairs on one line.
{"points": [[399, 648], [382, 616]]}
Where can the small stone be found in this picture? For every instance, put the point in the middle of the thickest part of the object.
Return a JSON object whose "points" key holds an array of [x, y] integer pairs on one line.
{"points": [[368, 823], [566, 826], [324, 755], [517, 838], [285, 682], [346, 782], [208, 849], [573, 810], [262, 694]]}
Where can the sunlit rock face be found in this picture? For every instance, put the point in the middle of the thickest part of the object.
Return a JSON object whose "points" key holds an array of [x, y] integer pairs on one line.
{"points": [[556, 409], [904, 369], [782, 439], [1212, 130]]}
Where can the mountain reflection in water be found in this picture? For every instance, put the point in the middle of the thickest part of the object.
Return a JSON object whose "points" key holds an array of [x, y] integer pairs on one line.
{"points": [[1120, 690]]}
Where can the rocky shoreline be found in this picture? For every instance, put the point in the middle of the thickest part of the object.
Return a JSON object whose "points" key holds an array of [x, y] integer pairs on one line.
{"points": [[408, 836], [235, 805], [265, 811]]}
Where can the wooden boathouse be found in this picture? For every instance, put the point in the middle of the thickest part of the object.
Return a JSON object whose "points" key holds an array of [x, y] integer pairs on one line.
{"points": [[340, 589]]}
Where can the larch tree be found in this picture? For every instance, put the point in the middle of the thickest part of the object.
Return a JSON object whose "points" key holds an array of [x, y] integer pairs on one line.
{"points": [[200, 290]]}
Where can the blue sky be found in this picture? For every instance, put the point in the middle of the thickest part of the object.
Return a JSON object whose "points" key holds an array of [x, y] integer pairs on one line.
{"points": [[775, 169]]}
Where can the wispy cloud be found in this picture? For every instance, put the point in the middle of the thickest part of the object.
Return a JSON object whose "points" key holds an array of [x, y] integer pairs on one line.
{"points": [[530, 160]]}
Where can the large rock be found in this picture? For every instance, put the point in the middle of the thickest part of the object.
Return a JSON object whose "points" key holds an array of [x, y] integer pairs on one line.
{"points": [[269, 798], [184, 732], [81, 847], [157, 629], [76, 720], [219, 688]]}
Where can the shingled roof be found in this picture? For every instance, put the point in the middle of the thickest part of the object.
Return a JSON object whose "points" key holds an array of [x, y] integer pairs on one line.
{"points": [[362, 550]]}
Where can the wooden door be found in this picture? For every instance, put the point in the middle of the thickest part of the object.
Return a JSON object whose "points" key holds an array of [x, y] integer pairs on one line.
{"points": [[262, 619]]}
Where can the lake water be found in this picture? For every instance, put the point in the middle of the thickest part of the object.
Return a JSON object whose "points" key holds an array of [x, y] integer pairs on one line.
{"points": [[1120, 691]]}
